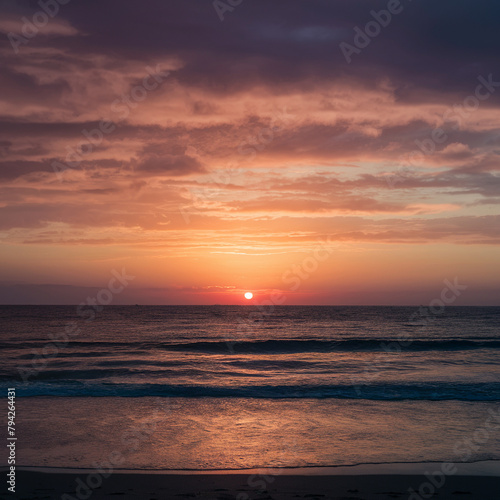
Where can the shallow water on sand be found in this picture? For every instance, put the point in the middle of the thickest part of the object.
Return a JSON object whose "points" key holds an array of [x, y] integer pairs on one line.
{"points": [[214, 433]]}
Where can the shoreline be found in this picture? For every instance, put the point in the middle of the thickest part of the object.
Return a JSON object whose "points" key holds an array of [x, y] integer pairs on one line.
{"points": [[481, 468], [258, 485]]}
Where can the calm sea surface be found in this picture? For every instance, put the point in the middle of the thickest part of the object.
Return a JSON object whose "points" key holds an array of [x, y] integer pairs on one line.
{"points": [[188, 387]]}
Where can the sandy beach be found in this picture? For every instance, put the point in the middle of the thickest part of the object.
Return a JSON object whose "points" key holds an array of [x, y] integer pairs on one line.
{"points": [[33, 485]]}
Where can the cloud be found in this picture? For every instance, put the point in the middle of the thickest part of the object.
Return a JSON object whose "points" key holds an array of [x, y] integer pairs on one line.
{"points": [[261, 136], [168, 164], [25, 25]]}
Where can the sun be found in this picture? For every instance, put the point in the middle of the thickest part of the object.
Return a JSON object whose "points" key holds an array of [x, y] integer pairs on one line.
{"points": [[248, 295]]}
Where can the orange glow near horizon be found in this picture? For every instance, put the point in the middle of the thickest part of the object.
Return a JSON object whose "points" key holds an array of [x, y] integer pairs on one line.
{"points": [[225, 178]]}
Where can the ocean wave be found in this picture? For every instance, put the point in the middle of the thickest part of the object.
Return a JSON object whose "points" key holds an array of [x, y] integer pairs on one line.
{"points": [[231, 346], [387, 392], [297, 346]]}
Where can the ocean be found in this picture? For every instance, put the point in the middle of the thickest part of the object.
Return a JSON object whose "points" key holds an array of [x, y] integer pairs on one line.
{"points": [[236, 387]]}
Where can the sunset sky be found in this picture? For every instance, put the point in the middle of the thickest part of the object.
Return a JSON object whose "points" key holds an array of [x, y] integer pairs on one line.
{"points": [[247, 153]]}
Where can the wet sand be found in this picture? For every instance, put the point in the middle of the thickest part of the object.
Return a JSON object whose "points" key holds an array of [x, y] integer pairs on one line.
{"points": [[148, 486]]}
